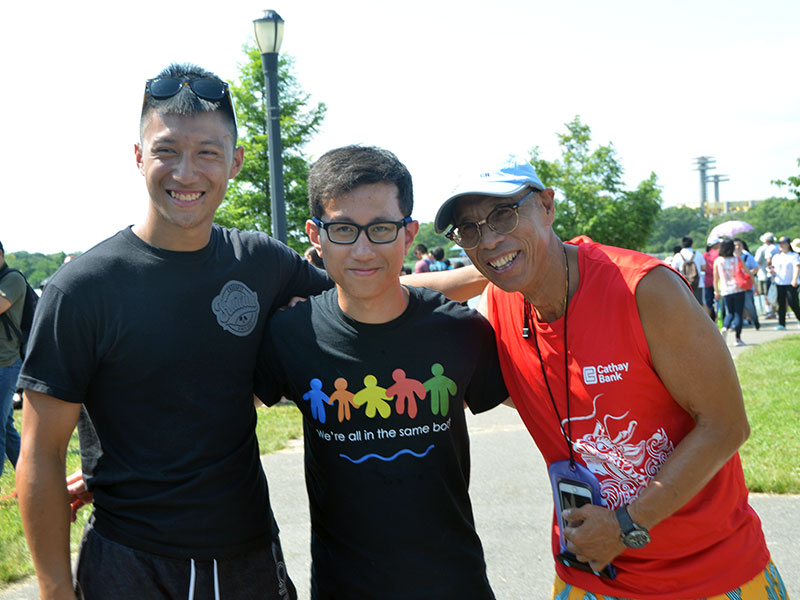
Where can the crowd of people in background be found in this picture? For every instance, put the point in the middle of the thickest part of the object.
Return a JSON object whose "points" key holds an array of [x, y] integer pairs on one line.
{"points": [[735, 286]]}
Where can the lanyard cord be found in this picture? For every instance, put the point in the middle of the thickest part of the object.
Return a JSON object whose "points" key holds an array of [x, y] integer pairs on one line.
{"points": [[526, 333]]}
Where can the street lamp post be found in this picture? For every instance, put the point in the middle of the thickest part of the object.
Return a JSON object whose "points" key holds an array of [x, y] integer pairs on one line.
{"points": [[269, 35]]}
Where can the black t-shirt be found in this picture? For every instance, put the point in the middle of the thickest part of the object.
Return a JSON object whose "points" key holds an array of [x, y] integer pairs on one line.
{"points": [[161, 348], [386, 444]]}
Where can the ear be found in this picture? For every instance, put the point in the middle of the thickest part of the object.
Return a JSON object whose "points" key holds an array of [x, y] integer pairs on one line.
{"points": [[137, 150], [313, 235], [411, 231], [547, 200], [238, 161]]}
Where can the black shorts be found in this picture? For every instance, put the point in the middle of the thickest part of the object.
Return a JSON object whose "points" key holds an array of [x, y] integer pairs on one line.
{"points": [[107, 569]]}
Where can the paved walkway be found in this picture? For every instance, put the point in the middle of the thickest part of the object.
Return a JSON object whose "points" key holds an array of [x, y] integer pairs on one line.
{"points": [[512, 503]]}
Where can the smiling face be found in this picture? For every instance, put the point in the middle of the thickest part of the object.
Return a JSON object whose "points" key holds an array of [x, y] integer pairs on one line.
{"points": [[186, 162], [509, 260], [367, 275]]}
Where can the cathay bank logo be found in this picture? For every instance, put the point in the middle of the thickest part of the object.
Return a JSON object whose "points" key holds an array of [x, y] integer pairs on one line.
{"points": [[604, 373]]}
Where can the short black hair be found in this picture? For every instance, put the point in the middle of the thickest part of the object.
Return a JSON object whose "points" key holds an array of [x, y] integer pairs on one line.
{"points": [[186, 102], [341, 170], [437, 253], [422, 248], [687, 242], [726, 248]]}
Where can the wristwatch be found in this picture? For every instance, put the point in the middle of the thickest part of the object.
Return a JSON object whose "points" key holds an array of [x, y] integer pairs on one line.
{"points": [[633, 535]]}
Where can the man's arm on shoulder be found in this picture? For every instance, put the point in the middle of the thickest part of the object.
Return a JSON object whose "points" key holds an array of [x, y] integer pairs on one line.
{"points": [[694, 364], [457, 284], [47, 425]]}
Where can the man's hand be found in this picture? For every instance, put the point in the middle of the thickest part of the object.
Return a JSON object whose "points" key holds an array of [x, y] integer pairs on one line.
{"points": [[593, 535], [78, 495]]}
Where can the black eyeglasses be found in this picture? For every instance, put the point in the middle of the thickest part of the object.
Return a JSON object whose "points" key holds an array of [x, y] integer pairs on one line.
{"points": [[380, 232], [206, 88], [503, 219]]}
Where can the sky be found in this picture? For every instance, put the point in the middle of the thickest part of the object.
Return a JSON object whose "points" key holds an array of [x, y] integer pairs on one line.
{"points": [[444, 85]]}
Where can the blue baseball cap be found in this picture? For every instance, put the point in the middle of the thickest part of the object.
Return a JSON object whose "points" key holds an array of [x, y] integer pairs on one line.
{"points": [[507, 178]]}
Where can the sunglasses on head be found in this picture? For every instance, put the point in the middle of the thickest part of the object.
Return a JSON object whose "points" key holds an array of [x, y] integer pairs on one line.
{"points": [[205, 88]]}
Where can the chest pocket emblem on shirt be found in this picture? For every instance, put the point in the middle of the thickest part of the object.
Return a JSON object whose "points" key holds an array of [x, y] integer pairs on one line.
{"points": [[236, 308]]}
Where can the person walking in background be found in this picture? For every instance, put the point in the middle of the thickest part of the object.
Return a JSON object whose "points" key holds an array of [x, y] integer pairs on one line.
{"points": [[692, 265], [424, 260], [726, 287], [709, 297], [12, 301], [785, 269], [763, 257], [741, 251]]}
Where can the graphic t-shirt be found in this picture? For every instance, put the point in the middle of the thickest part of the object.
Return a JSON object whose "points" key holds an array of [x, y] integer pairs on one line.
{"points": [[386, 444], [625, 425], [161, 348]]}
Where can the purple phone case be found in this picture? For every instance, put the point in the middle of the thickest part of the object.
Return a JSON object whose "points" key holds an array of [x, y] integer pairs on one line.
{"points": [[562, 471]]}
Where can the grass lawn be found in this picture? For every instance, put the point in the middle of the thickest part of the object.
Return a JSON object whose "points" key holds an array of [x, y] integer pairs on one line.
{"points": [[770, 379], [276, 426]]}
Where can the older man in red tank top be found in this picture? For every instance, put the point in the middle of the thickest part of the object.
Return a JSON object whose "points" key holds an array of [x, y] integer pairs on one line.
{"points": [[593, 344]]}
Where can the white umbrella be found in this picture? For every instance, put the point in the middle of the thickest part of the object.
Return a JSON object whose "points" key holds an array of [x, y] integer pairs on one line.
{"points": [[729, 229]]}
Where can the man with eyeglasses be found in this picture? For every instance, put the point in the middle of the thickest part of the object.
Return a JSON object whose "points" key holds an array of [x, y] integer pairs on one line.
{"points": [[593, 344], [381, 372]]}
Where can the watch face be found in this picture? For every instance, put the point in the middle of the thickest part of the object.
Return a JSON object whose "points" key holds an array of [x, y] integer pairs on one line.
{"points": [[638, 538]]}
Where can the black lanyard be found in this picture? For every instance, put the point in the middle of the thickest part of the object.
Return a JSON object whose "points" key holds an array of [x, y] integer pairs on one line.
{"points": [[526, 333]]}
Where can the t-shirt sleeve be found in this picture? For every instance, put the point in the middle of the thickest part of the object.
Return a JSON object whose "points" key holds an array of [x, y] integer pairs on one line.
{"points": [[486, 388], [12, 287], [62, 349], [270, 384], [298, 277]]}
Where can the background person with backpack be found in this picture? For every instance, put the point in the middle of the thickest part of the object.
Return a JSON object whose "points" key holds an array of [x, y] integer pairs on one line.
{"points": [[13, 289], [692, 265]]}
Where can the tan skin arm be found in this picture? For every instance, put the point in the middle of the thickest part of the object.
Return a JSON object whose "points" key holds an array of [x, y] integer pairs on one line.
{"points": [[686, 348], [457, 284], [47, 424], [5, 304]]}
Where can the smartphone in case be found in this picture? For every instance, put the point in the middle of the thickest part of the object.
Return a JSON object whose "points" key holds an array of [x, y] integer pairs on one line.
{"points": [[574, 486]]}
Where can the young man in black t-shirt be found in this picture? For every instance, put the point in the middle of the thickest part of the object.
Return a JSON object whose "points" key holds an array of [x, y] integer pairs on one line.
{"points": [[381, 373]]}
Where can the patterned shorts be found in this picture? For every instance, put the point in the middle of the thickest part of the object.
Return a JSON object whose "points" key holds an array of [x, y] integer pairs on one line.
{"points": [[767, 585]]}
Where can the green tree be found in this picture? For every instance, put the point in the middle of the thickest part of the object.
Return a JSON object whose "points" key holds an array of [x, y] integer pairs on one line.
{"points": [[247, 204], [36, 266], [792, 182], [591, 199], [781, 216], [674, 223], [426, 235]]}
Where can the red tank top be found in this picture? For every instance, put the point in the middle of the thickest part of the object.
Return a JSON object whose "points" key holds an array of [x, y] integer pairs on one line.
{"points": [[624, 426]]}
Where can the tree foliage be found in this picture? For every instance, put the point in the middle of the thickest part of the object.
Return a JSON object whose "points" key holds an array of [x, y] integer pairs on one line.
{"points": [[792, 182], [428, 236], [672, 224], [247, 203], [36, 266], [590, 196], [781, 216]]}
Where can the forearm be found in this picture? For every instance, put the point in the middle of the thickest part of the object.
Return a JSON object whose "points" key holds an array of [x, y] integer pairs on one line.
{"points": [[45, 510], [693, 463], [457, 284]]}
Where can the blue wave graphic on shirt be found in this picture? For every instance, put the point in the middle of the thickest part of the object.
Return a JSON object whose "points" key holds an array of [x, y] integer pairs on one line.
{"points": [[390, 458]]}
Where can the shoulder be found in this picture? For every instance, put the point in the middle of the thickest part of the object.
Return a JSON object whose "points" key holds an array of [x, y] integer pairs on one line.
{"points": [[604, 262], [437, 304]]}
